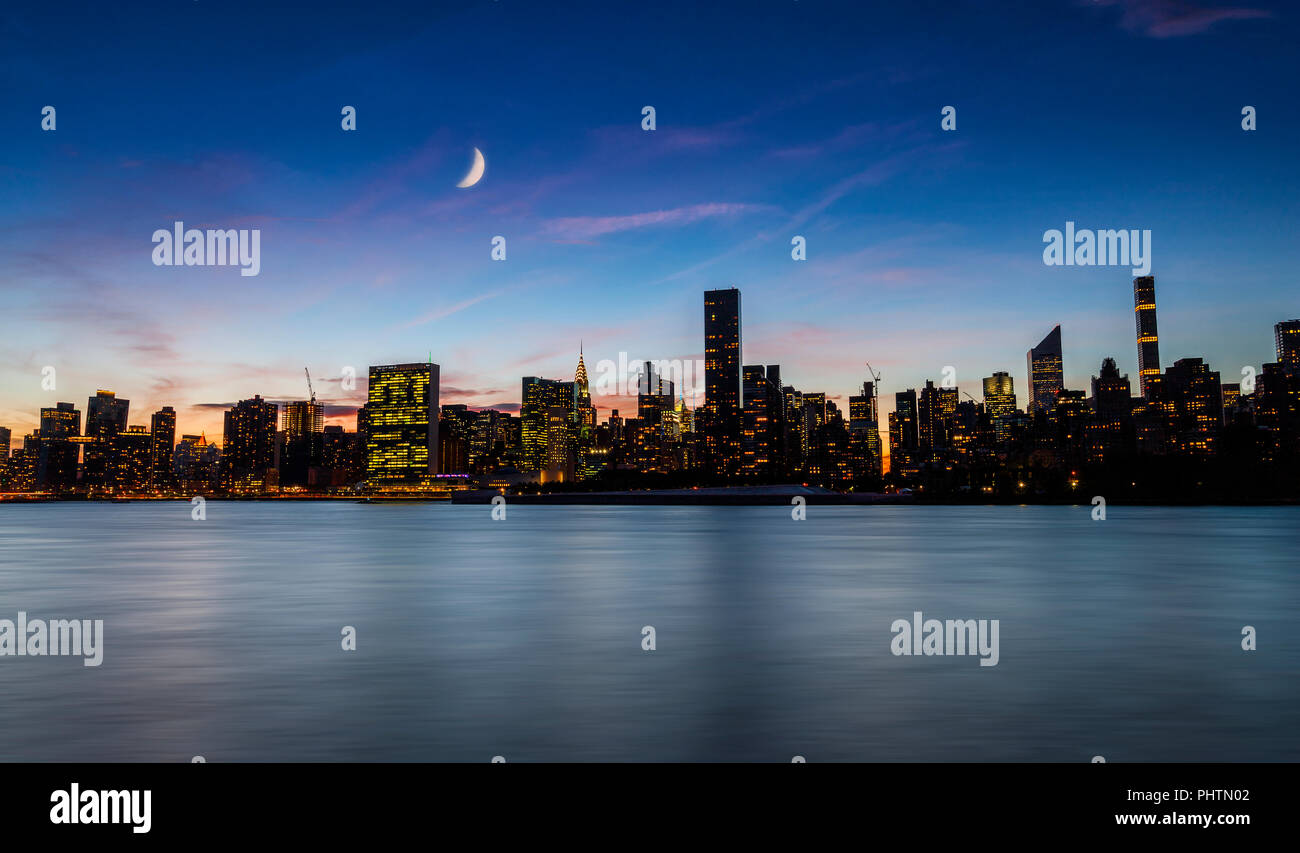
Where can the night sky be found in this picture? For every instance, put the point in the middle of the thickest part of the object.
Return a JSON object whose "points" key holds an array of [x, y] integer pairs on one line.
{"points": [[774, 119]]}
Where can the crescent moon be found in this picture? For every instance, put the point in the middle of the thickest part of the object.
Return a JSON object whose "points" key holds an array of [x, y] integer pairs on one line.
{"points": [[475, 172]]}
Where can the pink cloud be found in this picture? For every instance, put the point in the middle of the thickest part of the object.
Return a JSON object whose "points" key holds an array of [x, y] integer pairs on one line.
{"points": [[1173, 18]]}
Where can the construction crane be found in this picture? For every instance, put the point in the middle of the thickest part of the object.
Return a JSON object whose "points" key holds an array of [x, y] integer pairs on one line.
{"points": [[310, 390], [875, 375]]}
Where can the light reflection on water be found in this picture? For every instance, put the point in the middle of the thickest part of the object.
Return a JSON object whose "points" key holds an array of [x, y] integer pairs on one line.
{"points": [[522, 637]]}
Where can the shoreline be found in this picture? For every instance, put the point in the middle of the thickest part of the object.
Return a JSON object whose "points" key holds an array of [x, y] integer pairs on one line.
{"points": [[713, 496]]}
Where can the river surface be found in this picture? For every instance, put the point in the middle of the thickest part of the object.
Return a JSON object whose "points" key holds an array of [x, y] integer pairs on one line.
{"points": [[523, 638]]}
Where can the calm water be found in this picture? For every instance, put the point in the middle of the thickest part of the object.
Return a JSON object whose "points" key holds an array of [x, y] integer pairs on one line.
{"points": [[522, 638]]}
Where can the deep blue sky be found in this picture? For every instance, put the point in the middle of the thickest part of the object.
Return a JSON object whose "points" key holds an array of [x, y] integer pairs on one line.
{"points": [[774, 119]]}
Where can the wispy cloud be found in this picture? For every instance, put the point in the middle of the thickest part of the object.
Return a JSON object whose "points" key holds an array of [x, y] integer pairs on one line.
{"points": [[848, 139], [588, 227], [873, 175], [1173, 18], [448, 310]]}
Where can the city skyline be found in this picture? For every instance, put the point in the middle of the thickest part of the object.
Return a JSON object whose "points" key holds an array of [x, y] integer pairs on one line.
{"points": [[923, 246], [336, 414], [751, 427]]}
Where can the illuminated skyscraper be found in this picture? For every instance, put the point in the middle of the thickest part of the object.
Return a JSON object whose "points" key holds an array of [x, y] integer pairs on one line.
{"points": [[929, 428], [56, 455], [105, 417], [1287, 334], [132, 460], [302, 417], [863, 413], [721, 421], [904, 437], [1046, 371], [947, 412], [1148, 341], [6, 472], [582, 390], [560, 460], [685, 416], [248, 446], [655, 394], [455, 434], [1112, 407], [196, 463], [303, 426], [106, 414], [541, 402], [796, 429], [61, 421], [1193, 397], [763, 421], [814, 412], [1276, 404], [1000, 403], [722, 353], [162, 431], [402, 423], [1231, 396], [1112, 399], [22, 464], [864, 431]]}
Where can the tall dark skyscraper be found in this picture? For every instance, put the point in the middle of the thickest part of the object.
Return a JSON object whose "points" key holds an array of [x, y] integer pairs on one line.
{"points": [[105, 417], [722, 352], [863, 412], [654, 396], [1287, 334], [762, 433], [904, 434], [61, 421], [864, 430], [106, 414], [56, 459], [928, 418], [1192, 395], [1046, 371], [402, 422], [1148, 341], [303, 426], [132, 460], [1112, 399], [722, 379], [248, 445], [162, 431]]}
